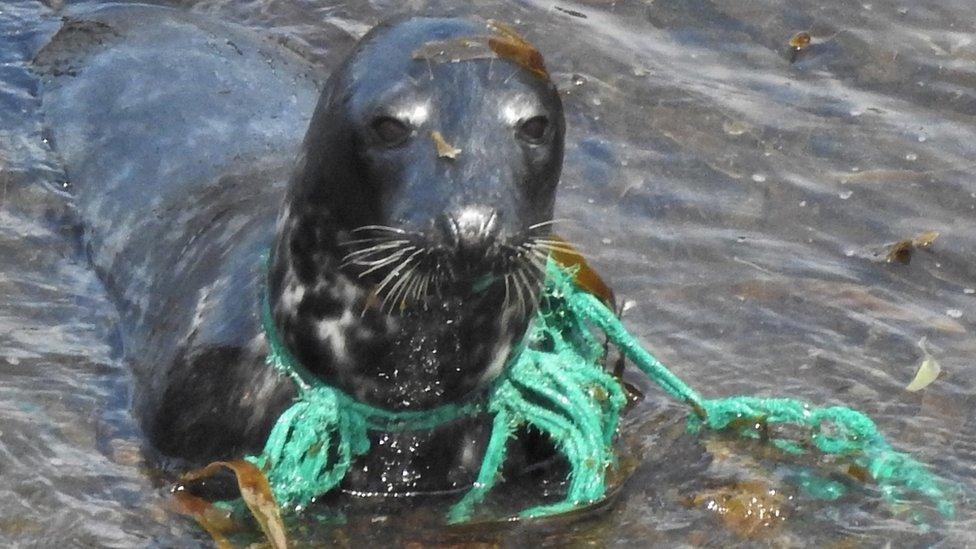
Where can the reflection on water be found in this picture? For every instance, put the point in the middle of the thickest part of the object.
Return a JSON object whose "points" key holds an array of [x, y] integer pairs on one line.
{"points": [[731, 190]]}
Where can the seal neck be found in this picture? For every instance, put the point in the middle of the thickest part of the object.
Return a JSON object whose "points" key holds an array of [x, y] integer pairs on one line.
{"points": [[281, 359]]}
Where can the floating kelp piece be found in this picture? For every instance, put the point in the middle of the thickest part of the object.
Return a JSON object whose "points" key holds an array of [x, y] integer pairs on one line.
{"points": [[928, 370], [218, 522], [800, 40], [511, 46], [584, 276], [798, 43], [901, 251], [504, 43], [255, 491]]}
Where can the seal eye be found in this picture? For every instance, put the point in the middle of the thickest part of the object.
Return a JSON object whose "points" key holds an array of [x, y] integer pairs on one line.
{"points": [[390, 131], [534, 129]]}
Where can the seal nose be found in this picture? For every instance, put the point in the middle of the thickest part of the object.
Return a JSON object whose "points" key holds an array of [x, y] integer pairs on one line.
{"points": [[472, 230]]}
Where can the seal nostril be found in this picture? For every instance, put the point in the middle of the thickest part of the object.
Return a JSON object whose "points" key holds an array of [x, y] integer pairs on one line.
{"points": [[473, 230], [449, 228]]}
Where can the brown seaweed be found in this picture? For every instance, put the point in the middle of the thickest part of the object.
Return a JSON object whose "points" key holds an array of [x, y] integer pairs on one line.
{"points": [[255, 491]]}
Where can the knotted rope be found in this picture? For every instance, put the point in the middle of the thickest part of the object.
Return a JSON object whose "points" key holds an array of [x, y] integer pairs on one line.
{"points": [[554, 382]]}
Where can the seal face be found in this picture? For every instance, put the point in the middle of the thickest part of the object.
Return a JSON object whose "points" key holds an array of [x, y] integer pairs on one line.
{"points": [[411, 243]]}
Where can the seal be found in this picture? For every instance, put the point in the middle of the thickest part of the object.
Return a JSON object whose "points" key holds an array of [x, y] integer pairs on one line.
{"points": [[406, 252]]}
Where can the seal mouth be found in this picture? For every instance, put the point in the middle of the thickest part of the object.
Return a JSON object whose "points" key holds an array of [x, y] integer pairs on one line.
{"points": [[408, 270]]}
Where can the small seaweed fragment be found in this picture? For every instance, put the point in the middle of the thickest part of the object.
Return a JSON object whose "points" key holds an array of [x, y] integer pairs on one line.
{"points": [[798, 42], [901, 251], [444, 149], [928, 370], [510, 45]]}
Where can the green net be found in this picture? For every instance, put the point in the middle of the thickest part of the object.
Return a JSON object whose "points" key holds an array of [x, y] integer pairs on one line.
{"points": [[555, 383]]}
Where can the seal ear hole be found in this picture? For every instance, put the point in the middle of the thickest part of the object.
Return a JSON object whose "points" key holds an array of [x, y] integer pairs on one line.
{"points": [[534, 130], [390, 131]]}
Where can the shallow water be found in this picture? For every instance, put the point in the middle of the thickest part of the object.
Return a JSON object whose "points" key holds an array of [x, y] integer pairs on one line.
{"points": [[734, 199]]}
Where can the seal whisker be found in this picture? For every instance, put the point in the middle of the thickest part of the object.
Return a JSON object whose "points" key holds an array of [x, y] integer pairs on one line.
{"points": [[357, 241], [364, 261], [515, 294], [538, 263], [375, 263], [555, 248], [384, 244], [383, 228], [415, 291], [396, 291], [385, 262], [408, 288], [519, 293], [528, 286], [533, 247], [562, 243], [390, 276], [543, 257], [424, 289], [539, 282], [548, 223], [407, 294], [536, 252], [394, 272], [558, 248], [527, 289], [375, 249]]}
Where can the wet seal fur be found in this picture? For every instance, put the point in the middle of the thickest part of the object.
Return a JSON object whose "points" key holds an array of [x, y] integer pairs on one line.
{"points": [[398, 273]]}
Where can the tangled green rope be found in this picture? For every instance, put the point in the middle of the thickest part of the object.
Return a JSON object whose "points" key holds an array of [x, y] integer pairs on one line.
{"points": [[555, 383]]}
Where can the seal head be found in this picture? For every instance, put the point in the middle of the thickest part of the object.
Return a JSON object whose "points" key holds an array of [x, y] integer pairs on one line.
{"points": [[412, 239]]}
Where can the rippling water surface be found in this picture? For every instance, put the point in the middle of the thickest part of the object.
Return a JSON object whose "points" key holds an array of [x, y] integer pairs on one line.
{"points": [[734, 194]]}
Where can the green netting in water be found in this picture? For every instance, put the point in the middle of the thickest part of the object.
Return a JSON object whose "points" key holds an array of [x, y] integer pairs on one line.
{"points": [[554, 382]]}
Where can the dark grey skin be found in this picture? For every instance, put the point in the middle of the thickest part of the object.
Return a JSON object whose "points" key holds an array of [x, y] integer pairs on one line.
{"points": [[178, 136]]}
